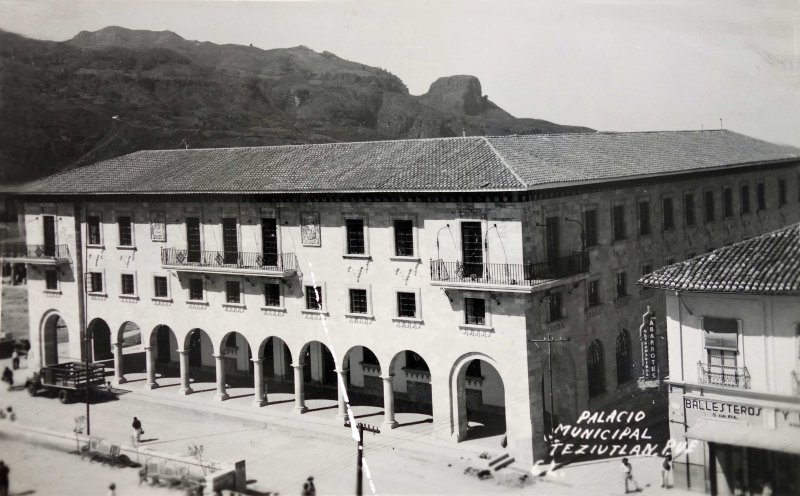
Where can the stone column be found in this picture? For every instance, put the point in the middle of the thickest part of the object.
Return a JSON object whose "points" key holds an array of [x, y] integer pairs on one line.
{"points": [[299, 394], [341, 381], [184, 358], [150, 359], [119, 378], [221, 394], [260, 396], [388, 403]]}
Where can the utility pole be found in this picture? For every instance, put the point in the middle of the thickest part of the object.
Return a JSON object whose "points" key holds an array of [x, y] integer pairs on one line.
{"points": [[360, 454], [549, 340]]}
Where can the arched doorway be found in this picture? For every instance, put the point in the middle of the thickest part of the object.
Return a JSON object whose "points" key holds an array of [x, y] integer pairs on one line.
{"points": [[100, 336], [479, 402], [165, 345], [277, 365], [363, 377], [319, 371], [237, 356], [200, 351], [412, 383], [55, 340]]}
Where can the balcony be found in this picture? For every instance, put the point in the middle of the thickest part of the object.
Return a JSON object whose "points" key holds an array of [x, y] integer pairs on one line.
{"points": [[516, 278], [723, 375], [35, 254], [236, 263]]}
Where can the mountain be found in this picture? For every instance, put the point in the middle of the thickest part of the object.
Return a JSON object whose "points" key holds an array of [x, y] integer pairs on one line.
{"points": [[114, 91]]}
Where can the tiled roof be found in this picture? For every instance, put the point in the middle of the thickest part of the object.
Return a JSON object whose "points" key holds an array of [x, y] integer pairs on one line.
{"points": [[565, 158], [444, 164], [768, 264]]}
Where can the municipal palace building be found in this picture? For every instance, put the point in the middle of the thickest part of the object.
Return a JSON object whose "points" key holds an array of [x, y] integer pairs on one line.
{"points": [[418, 273]]}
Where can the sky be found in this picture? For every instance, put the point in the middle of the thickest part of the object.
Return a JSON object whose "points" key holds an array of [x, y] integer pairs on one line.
{"points": [[613, 65]]}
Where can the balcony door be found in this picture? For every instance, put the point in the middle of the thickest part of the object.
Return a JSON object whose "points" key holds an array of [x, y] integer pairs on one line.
{"points": [[230, 241], [49, 235], [269, 242], [552, 241], [193, 239], [472, 249]]}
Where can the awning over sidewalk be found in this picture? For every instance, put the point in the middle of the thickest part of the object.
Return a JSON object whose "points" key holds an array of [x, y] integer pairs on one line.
{"points": [[786, 440]]}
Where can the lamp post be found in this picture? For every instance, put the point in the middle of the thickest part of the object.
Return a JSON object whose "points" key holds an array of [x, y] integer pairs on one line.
{"points": [[550, 340]]}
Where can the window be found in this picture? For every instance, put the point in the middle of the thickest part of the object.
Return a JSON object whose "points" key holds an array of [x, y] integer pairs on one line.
{"points": [[403, 238], [555, 304], [721, 333], [727, 202], [644, 218], [314, 298], [618, 221], [196, 289], [51, 280], [622, 286], [744, 199], [406, 305], [709, 206], [761, 196], [415, 362], [781, 191], [624, 359], [646, 269], [272, 294], [95, 282], [125, 231], [358, 301], [160, 288], [475, 311], [596, 369], [128, 284], [94, 232], [667, 214], [593, 293], [590, 227], [355, 236], [233, 292], [688, 209]]}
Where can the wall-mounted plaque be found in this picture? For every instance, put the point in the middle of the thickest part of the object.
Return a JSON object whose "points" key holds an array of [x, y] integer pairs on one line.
{"points": [[309, 230], [158, 226]]}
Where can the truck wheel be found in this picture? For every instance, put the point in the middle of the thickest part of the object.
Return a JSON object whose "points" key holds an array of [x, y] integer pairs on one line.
{"points": [[32, 389], [63, 396]]}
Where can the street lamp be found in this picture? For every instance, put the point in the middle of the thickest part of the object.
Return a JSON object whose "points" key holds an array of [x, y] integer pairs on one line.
{"points": [[549, 340], [583, 234]]}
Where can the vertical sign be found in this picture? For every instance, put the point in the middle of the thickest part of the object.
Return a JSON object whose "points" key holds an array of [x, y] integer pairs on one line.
{"points": [[647, 334]]}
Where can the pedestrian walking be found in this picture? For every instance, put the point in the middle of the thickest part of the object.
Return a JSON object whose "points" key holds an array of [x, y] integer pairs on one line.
{"points": [[308, 487], [15, 360], [137, 429], [666, 468], [8, 377], [11, 415], [112, 489], [4, 470], [628, 471]]}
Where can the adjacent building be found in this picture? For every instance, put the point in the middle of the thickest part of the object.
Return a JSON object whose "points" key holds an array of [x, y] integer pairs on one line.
{"points": [[417, 271], [733, 319]]}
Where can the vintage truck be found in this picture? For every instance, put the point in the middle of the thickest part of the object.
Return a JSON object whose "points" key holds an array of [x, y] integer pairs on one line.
{"points": [[68, 380]]}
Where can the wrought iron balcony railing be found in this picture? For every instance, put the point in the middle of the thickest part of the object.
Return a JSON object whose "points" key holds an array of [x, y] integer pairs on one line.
{"points": [[510, 274], [35, 253], [281, 262], [723, 375]]}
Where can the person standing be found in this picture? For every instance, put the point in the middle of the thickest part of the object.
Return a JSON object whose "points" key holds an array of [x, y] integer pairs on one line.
{"points": [[137, 429], [112, 489], [8, 377], [15, 359], [627, 469], [308, 487], [4, 470], [666, 468]]}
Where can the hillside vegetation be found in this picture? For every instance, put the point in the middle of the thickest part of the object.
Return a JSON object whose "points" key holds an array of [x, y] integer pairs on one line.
{"points": [[114, 91]]}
